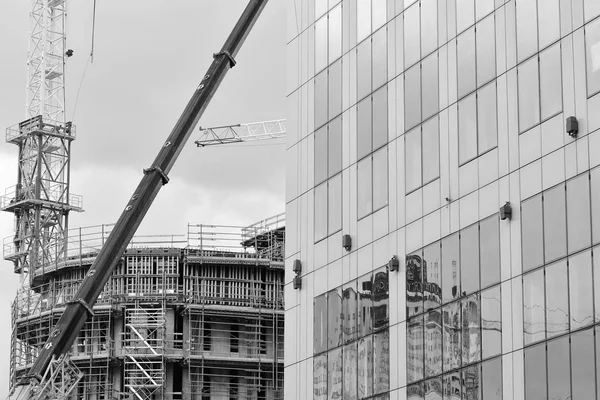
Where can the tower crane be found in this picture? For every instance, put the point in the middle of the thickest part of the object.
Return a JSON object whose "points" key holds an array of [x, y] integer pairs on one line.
{"points": [[242, 133]]}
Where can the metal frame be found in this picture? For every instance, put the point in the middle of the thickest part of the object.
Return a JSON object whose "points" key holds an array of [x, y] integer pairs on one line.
{"points": [[242, 133]]}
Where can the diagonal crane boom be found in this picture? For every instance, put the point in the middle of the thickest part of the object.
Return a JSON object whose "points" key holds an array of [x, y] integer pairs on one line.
{"points": [[241, 133]]}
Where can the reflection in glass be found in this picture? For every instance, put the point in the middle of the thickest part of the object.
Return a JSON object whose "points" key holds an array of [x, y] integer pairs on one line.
{"points": [[452, 343], [320, 323], [555, 223], [365, 367], [364, 128], [581, 290], [452, 386], [381, 361], [430, 87], [486, 118], [467, 129], [529, 94], [381, 299], [415, 392], [465, 46], [350, 371], [335, 204], [433, 343], [471, 321], [350, 310], [431, 150], [489, 242], [320, 377], [334, 312], [551, 80], [365, 305], [491, 375], [335, 374], [412, 145], [557, 297], [335, 146], [380, 178], [379, 58], [414, 284], [491, 322], [321, 99], [415, 353], [320, 212], [335, 90], [433, 389], [559, 369], [363, 71], [534, 321], [365, 187], [532, 233], [450, 268], [471, 383], [412, 97], [578, 213], [469, 259], [380, 117], [432, 276], [535, 373], [486, 50], [582, 364]]}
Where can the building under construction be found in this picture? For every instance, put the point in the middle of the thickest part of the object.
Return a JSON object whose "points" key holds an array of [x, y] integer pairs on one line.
{"points": [[196, 316]]}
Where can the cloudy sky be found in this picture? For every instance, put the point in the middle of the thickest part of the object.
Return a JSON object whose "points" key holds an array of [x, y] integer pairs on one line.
{"points": [[149, 57]]}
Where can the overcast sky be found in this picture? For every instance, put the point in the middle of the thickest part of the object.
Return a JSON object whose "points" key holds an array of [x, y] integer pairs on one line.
{"points": [[149, 57]]}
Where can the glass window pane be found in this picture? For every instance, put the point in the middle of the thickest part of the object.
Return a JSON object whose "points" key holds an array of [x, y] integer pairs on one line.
{"points": [[483, 8], [414, 284], [465, 47], [582, 364], [535, 373], [433, 343], [412, 36], [321, 155], [487, 121], [534, 321], [415, 353], [467, 129], [363, 16], [549, 17], [432, 275], [320, 377], [429, 73], [412, 97], [415, 392], [429, 24], [381, 361], [351, 371], [379, 58], [469, 259], [335, 33], [592, 9], [379, 11], [532, 242], [581, 290], [381, 299], [489, 239], [471, 382], [321, 99], [334, 374], [527, 32], [595, 188], [335, 90], [551, 81], [350, 310], [334, 313], [321, 7], [431, 150], [491, 372], [555, 223], [365, 187], [334, 146], [452, 386], [557, 297], [412, 146], [592, 45], [452, 343], [380, 117], [363, 71], [486, 50], [365, 305], [380, 178], [320, 44], [365, 126], [471, 332], [365, 367], [320, 324], [433, 389], [529, 95], [578, 213], [334, 213], [559, 369], [491, 322], [450, 268], [320, 212], [596, 261], [465, 14]]}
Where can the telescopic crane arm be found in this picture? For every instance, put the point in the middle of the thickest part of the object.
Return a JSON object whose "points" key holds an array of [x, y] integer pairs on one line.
{"points": [[241, 133], [80, 308]]}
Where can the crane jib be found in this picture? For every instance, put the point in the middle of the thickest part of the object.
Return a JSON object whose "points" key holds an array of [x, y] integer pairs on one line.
{"points": [[76, 313]]}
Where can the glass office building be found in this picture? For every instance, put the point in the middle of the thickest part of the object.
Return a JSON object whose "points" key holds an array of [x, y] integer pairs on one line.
{"points": [[411, 124]]}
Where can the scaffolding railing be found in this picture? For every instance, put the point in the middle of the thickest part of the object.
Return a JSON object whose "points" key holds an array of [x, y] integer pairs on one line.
{"points": [[263, 226]]}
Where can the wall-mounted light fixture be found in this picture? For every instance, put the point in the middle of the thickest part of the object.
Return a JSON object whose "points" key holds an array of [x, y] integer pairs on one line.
{"points": [[572, 126], [297, 268], [347, 242], [297, 282], [394, 264], [506, 211]]}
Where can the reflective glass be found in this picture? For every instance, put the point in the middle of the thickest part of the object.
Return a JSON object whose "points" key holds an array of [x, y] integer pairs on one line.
{"points": [[415, 352], [334, 313], [559, 369], [549, 26], [592, 9], [365, 305], [363, 71], [582, 365], [365, 367], [321, 7], [429, 24], [321, 155], [581, 290], [414, 284], [335, 373], [557, 298], [578, 213], [380, 178], [551, 81], [381, 362], [491, 373], [412, 153], [320, 377], [596, 261], [595, 189], [483, 8], [433, 389], [487, 122], [381, 299], [380, 117], [491, 322], [534, 320], [379, 58], [469, 259], [450, 268], [529, 94], [555, 223], [320, 212], [452, 343], [321, 99], [334, 213], [363, 16], [365, 126], [532, 238], [527, 30], [320, 44], [452, 386], [335, 89], [379, 11], [350, 310], [334, 146], [335, 33], [471, 329], [467, 129], [351, 371], [465, 14], [592, 45], [430, 87], [412, 36], [486, 50], [433, 343], [415, 392], [465, 47], [535, 373], [489, 239], [365, 187], [471, 383], [431, 150], [320, 324], [432, 276], [412, 97]]}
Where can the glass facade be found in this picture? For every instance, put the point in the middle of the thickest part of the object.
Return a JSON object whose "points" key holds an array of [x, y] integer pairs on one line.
{"points": [[411, 122]]}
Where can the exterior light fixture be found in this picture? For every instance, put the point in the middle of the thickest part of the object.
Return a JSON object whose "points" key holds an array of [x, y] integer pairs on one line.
{"points": [[572, 126], [506, 211], [297, 282], [394, 264], [347, 242], [297, 267]]}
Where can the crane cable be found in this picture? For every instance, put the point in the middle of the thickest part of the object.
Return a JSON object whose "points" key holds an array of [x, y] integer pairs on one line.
{"points": [[89, 60]]}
